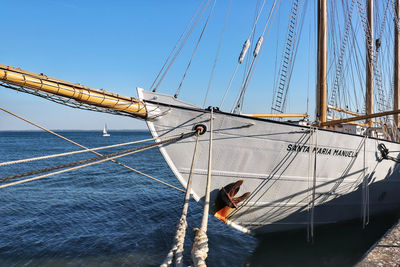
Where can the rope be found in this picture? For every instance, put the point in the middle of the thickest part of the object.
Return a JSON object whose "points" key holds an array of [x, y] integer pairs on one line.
{"points": [[342, 51], [41, 127], [311, 216], [200, 248], [155, 179], [96, 160], [253, 64], [200, 244], [94, 152], [239, 62], [195, 50], [173, 49], [256, 20], [75, 163], [67, 101], [179, 240], [365, 195], [181, 46], [218, 51], [62, 171], [288, 59], [229, 85], [309, 189], [72, 153]]}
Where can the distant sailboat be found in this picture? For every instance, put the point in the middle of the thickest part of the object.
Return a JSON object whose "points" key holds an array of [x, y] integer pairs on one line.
{"points": [[105, 131]]}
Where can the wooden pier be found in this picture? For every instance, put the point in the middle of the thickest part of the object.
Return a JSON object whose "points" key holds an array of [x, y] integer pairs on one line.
{"points": [[385, 252]]}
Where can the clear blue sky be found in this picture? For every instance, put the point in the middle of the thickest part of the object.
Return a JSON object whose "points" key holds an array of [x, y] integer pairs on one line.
{"points": [[119, 45]]}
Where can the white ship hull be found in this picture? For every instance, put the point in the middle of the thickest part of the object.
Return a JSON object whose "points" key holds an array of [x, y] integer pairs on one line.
{"points": [[278, 163]]}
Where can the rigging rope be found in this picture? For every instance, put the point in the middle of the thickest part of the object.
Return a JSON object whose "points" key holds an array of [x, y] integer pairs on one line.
{"points": [[229, 85], [309, 189], [89, 162], [79, 162], [314, 183], [286, 67], [395, 16], [94, 152], [373, 55], [253, 63], [256, 21], [242, 54], [365, 189], [380, 97], [44, 129], [194, 52], [69, 102], [181, 46], [342, 50], [179, 240], [341, 97], [217, 54], [382, 27], [73, 152], [173, 49], [65, 170], [200, 244], [368, 34]]}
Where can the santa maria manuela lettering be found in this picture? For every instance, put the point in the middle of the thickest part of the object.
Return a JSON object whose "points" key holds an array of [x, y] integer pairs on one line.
{"points": [[322, 150]]}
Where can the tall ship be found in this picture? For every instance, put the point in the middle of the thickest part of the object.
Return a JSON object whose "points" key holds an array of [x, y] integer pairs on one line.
{"points": [[276, 171]]}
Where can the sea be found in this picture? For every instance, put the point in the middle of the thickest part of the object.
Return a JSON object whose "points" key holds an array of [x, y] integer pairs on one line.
{"points": [[107, 215]]}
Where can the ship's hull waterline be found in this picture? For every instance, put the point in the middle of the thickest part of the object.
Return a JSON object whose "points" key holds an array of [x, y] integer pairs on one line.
{"points": [[280, 163]]}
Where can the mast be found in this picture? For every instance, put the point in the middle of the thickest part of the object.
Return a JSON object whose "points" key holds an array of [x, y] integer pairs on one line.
{"points": [[369, 63], [396, 64], [321, 79]]}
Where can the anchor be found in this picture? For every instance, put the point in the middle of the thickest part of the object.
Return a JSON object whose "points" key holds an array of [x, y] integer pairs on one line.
{"points": [[226, 199]]}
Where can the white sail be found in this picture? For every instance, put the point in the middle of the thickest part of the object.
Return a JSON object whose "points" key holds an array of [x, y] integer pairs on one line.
{"points": [[105, 133]]}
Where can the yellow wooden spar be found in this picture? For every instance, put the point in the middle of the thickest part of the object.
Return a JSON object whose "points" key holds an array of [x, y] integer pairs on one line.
{"points": [[344, 111], [258, 115], [80, 93]]}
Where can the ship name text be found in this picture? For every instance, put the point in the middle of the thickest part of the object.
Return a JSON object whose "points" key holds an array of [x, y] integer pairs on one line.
{"points": [[322, 150]]}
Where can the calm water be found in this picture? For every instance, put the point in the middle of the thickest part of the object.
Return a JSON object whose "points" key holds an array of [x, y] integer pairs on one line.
{"points": [[105, 215]]}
